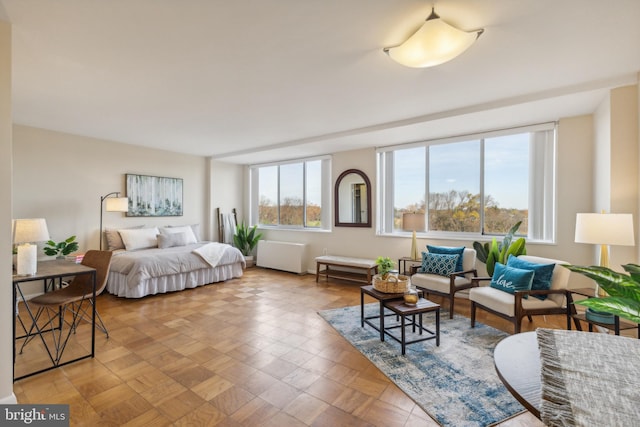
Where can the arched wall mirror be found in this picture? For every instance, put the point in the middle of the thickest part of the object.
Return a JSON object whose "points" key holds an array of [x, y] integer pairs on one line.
{"points": [[352, 199]]}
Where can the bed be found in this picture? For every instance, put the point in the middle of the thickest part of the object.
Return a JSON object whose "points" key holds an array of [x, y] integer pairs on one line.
{"points": [[136, 271]]}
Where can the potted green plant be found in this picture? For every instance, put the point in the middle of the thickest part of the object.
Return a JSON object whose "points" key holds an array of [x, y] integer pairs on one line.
{"points": [[246, 239], [61, 249], [385, 265], [490, 253], [623, 290], [385, 282]]}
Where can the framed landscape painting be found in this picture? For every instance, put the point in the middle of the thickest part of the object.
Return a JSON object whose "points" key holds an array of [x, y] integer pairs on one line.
{"points": [[154, 195]]}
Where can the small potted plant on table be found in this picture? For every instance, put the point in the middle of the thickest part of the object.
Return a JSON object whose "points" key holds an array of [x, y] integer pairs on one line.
{"points": [[62, 249], [386, 282]]}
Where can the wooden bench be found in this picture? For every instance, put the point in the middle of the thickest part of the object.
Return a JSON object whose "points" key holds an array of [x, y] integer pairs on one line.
{"points": [[364, 268]]}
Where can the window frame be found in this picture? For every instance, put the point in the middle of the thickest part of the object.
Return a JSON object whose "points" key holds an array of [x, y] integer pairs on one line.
{"points": [[542, 185], [326, 191]]}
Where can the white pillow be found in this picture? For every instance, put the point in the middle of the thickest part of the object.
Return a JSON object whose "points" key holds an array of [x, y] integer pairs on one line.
{"points": [[191, 237], [114, 241], [141, 238], [171, 240], [194, 227]]}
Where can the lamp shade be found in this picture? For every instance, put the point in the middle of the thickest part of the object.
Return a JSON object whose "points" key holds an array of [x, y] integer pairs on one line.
{"points": [[413, 221], [30, 230], [116, 204], [436, 42], [604, 229]]}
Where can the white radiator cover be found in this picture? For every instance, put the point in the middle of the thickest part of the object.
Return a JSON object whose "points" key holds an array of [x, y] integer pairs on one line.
{"points": [[284, 256]]}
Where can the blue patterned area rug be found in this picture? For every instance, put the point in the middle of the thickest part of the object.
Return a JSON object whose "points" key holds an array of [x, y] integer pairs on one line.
{"points": [[456, 383]]}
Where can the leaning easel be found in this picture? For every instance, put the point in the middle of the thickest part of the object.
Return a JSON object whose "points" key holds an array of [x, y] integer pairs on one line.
{"points": [[221, 223]]}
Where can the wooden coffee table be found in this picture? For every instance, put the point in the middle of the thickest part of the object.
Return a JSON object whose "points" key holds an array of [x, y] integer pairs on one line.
{"points": [[403, 310]]}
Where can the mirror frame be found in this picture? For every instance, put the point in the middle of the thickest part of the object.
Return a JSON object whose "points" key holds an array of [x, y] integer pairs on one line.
{"points": [[336, 198]]}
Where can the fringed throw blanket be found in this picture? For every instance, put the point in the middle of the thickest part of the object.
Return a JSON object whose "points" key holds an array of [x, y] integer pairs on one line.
{"points": [[589, 379]]}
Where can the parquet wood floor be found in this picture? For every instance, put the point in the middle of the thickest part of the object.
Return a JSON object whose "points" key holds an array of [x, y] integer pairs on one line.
{"points": [[248, 352]]}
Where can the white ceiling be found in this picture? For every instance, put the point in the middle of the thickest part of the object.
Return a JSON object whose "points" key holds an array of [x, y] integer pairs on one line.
{"points": [[255, 81]]}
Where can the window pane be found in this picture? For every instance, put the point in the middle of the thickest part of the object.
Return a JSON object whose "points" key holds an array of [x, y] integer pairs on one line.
{"points": [[268, 199], [506, 183], [454, 187], [314, 193], [291, 194], [410, 168]]}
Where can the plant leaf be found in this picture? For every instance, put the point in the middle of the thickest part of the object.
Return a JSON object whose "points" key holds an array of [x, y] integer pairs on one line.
{"points": [[494, 255], [506, 242], [517, 248], [633, 270], [515, 227], [623, 307], [71, 247], [481, 252], [614, 283], [503, 255]]}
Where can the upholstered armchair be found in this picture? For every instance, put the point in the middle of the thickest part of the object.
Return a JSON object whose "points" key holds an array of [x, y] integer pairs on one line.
{"points": [[446, 284], [513, 305]]}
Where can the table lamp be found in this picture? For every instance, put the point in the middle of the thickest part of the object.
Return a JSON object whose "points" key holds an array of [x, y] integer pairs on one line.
{"points": [[604, 229], [25, 232], [113, 204], [412, 221]]}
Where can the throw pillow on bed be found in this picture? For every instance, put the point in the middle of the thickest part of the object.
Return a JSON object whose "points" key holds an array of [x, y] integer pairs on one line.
{"points": [[114, 241], [191, 237], [171, 240], [194, 227], [142, 238], [441, 264]]}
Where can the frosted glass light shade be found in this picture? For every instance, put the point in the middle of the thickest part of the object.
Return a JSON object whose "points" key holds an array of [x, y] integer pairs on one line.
{"points": [[116, 204], [435, 43]]}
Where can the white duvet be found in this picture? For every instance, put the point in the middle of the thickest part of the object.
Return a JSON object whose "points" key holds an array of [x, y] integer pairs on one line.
{"points": [[144, 264]]}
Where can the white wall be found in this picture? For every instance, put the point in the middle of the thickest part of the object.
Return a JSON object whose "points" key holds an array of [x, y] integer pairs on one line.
{"points": [[61, 178], [624, 165], [616, 172], [602, 157], [6, 292], [227, 184]]}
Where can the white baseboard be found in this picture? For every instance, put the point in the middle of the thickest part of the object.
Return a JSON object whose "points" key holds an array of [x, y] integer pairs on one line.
{"points": [[9, 400]]}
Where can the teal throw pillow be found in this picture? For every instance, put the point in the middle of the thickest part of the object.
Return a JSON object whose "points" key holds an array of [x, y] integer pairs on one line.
{"points": [[542, 276], [510, 279], [441, 264], [448, 250]]}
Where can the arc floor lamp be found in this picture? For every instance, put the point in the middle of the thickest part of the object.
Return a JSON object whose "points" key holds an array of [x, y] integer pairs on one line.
{"points": [[114, 203]]}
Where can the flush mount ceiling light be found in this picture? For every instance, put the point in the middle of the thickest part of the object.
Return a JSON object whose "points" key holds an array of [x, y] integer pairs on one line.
{"points": [[435, 43]]}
